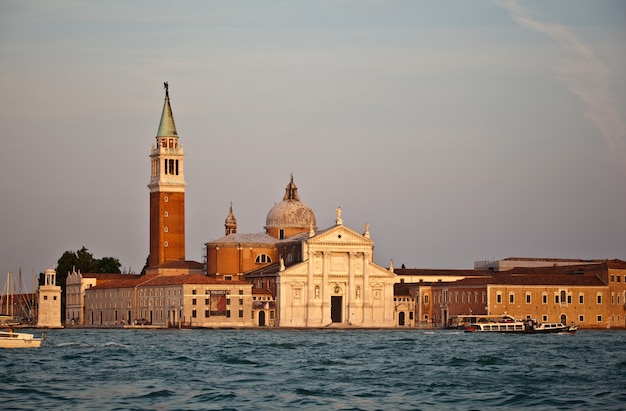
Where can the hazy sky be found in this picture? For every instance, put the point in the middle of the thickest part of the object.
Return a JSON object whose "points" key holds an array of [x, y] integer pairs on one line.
{"points": [[460, 130]]}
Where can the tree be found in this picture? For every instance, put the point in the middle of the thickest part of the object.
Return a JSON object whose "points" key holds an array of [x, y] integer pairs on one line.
{"points": [[82, 260], [109, 265]]}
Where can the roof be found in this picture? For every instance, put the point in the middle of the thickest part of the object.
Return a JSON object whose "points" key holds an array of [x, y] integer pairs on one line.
{"points": [[291, 212], [244, 238], [190, 264], [161, 280], [441, 272]]}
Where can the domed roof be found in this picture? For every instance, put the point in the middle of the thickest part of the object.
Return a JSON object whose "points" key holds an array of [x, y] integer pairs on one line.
{"points": [[291, 212]]}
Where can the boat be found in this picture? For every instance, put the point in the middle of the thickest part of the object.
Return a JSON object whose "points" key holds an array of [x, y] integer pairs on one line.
{"points": [[522, 327], [11, 339]]}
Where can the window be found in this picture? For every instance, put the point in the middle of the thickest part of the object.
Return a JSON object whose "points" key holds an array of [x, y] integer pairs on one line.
{"points": [[165, 229], [556, 299], [527, 298], [241, 301], [193, 314], [499, 298], [240, 291], [581, 298], [263, 259], [207, 301], [544, 318], [511, 298], [193, 301], [227, 313], [599, 318], [619, 279], [206, 313], [581, 318], [240, 313], [281, 234], [599, 298], [426, 299], [193, 291], [544, 298]]}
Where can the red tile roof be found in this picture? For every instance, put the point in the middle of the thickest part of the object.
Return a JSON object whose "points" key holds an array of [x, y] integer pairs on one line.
{"points": [[161, 280]]}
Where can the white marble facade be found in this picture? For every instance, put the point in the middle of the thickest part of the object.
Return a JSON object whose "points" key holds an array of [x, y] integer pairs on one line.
{"points": [[337, 284]]}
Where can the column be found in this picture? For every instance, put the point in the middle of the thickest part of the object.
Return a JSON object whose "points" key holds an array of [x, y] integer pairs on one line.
{"points": [[351, 286], [326, 319], [310, 290]]}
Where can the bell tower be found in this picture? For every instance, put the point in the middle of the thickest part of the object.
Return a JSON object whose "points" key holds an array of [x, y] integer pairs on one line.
{"points": [[167, 192]]}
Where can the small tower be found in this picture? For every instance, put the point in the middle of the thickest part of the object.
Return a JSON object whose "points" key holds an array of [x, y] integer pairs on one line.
{"points": [[49, 302], [167, 192], [231, 222]]}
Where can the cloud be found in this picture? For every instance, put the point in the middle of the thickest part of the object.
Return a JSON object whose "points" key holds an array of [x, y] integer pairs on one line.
{"points": [[585, 76]]}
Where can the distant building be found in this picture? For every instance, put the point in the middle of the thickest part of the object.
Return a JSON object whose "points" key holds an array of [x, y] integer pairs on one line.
{"points": [[591, 295]]}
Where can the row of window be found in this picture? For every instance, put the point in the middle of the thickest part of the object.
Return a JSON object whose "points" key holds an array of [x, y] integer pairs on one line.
{"points": [[562, 298]]}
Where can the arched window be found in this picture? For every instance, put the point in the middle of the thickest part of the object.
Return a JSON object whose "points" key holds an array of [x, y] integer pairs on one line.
{"points": [[263, 259]]}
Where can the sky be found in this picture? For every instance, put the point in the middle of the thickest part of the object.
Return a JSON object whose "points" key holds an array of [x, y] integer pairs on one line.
{"points": [[459, 130]]}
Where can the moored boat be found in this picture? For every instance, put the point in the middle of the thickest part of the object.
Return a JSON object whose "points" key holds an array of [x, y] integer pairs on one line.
{"points": [[11, 339]]}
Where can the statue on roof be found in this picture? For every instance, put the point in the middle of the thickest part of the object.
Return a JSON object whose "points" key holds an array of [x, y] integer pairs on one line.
{"points": [[166, 87]]}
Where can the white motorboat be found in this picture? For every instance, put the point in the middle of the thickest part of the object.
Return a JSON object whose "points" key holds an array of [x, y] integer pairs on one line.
{"points": [[11, 339], [522, 327]]}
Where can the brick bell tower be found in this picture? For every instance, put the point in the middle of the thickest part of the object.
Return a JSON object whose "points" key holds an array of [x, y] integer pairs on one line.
{"points": [[167, 192]]}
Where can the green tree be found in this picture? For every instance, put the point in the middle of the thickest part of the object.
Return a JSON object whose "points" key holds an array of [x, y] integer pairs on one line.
{"points": [[82, 260], [109, 265]]}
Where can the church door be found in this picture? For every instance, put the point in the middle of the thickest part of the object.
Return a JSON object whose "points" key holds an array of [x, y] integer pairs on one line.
{"points": [[401, 318], [335, 308], [261, 318]]}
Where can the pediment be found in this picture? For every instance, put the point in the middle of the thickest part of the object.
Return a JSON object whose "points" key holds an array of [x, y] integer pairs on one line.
{"points": [[340, 234]]}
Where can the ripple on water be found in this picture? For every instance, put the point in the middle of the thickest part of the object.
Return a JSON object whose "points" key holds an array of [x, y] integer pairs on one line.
{"points": [[281, 369]]}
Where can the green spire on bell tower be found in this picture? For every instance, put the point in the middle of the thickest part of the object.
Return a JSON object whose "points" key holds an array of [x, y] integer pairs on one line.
{"points": [[167, 127]]}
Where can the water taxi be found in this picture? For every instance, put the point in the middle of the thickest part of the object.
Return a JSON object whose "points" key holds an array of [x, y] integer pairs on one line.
{"points": [[522, 327]]}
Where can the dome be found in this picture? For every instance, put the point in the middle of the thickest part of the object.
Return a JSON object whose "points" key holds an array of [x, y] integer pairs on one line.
{"points": [[291, 212]]}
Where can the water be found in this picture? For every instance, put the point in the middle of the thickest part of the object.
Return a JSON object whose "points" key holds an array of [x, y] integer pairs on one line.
{"points": [[327, 370]]}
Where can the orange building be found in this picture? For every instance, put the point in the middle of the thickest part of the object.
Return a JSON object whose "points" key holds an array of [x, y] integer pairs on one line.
{"points": [[287, 222], [591, 295]]}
